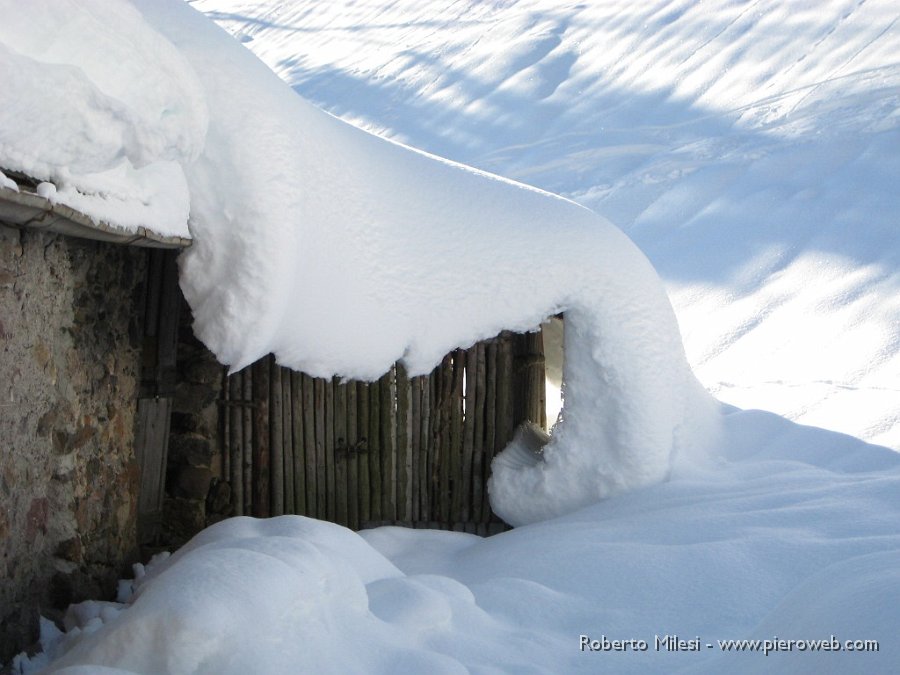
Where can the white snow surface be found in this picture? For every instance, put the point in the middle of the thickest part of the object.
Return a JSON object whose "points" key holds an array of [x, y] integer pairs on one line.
{"points": [[82, 108], [791, 535], [751, 150]]}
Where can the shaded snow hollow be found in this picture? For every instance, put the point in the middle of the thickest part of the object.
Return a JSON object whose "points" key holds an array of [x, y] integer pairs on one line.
{"points": [[341, 252]]}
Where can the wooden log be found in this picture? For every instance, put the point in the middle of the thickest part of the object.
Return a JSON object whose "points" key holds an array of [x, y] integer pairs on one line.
{"points": [[330, 498], [261, 458], [490, 416], [505, 421], [404, 428], [225, 429], [341, 453], [364, 488], [276, 441], [478, 473], [319, 386], [415, 423], [307, 405], [456, 434], [247, 445], [425, 446], [236, 443], [389, 445], [287, 441], [468, 440], [375, 450], [442, 504], [298, 434], [353, 444]]}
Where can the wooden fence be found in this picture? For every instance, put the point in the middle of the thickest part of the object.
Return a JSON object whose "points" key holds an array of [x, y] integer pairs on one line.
{"points": [[412, 451]]}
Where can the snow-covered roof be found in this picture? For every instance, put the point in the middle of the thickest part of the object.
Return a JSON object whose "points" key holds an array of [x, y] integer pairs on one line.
{"points": [[338, 251], [31, 209]]}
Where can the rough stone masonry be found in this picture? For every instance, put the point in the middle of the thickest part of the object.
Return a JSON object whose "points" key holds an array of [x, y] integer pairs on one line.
{"points": [[70, 364]]}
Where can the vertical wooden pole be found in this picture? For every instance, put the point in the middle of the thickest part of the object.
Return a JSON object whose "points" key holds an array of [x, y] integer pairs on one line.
{"points": [[389, 446], [376, 449], [491, 393], [442, 505], [364, 497], [456, 437], [298, 449], [236, 441], [276, 441], [261, 458], [310, 457], [478, 475], [330, 501], [353, 437], [426, 447], [287, 441], [319, 385], [404, 426], [468, 441], [247, 413], [341, 453]]}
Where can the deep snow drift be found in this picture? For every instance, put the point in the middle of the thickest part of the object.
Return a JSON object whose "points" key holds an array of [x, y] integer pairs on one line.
{"points": [[750, 149], [792, 535], [342, 253]]}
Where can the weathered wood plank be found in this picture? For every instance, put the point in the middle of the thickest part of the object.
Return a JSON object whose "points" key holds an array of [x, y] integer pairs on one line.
{"points": [[353, 443], [388, 446], [376, 449], [403, 422], [468, 440], [425, 446], [261, 457], [247, 447], [309, 444], [456, 434], [442, 503], [490, 443], [298, 451], [330, 500], [276, 441], [321, 469], [287, 441], [236, 443], [151, 441], [364, 487], [341, 453], [478, 474]]}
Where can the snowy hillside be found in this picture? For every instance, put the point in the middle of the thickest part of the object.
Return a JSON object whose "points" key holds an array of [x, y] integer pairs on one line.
{"points": [[750, 149]]}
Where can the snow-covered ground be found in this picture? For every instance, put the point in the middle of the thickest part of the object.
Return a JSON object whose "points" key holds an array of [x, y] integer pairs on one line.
{"points": [[751, 150]]}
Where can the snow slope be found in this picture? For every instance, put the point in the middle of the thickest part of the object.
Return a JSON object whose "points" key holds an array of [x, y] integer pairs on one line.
{"points": [[750, 149]]}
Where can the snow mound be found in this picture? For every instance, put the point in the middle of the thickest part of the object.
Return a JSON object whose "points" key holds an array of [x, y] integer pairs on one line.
{"points": [[341, 253], [792, 536], [81, 109]]}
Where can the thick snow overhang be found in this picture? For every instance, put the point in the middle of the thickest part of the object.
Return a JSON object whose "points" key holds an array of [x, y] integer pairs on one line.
{"points": [[26, 208]]}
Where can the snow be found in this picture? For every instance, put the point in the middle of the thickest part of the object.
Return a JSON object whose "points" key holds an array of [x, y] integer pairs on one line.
{"points": [[751, 155], [81, 110], [749, 149], [792, 535]]}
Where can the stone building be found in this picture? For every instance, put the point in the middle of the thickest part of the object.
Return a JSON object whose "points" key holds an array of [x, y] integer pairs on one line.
{"points": [[80, 379]]}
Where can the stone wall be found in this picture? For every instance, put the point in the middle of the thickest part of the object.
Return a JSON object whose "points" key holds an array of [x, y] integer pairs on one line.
{"points": [[196, 494], [69, 374]]}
